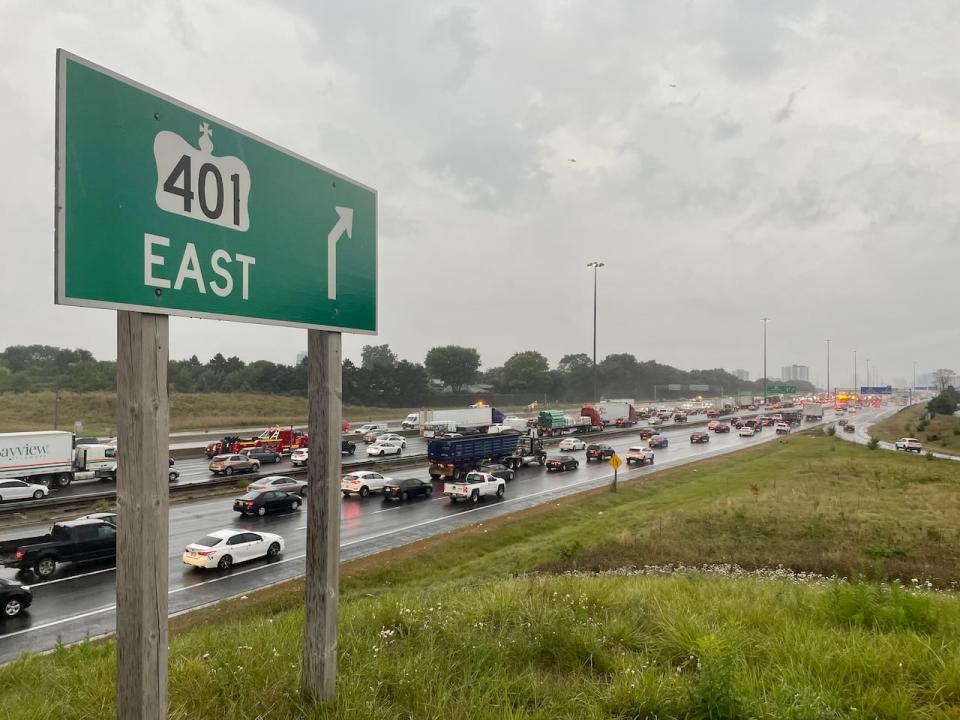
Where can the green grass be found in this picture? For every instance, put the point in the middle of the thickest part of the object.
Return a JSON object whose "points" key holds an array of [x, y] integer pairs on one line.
{"points": [[942, 434], [458, 627]]}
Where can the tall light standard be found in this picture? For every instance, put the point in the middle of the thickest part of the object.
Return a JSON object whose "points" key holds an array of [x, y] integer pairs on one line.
{"points": [[855, 390], [765, 321], [868, 371], [596, 383], [828, 367]]}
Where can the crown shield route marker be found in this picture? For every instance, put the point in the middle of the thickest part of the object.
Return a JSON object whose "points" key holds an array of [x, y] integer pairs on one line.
{"points": [[195, 183]]}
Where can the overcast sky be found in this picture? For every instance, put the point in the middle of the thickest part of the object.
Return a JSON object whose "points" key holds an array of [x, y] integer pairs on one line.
{"points": [[797, 160]]}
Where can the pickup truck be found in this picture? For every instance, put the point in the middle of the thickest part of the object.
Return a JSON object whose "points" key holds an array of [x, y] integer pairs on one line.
{"points": [[73, 541], [475, 486]]}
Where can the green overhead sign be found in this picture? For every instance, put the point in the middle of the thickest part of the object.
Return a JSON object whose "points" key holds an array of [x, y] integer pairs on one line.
{"points": [[162, 208], [781, 389]]}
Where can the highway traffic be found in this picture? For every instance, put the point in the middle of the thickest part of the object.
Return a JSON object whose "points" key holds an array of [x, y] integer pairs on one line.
{"points": [[78, 602]]}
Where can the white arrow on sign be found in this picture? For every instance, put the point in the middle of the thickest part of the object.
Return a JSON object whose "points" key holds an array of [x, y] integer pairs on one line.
{"points": [[344, 225]]}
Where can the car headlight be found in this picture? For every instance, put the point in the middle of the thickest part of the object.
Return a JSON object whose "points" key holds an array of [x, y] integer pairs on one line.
{"points": [[25, 587]]}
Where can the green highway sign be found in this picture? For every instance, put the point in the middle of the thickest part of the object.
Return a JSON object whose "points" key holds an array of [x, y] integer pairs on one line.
{"points": [[162, 208], [781, 389]]}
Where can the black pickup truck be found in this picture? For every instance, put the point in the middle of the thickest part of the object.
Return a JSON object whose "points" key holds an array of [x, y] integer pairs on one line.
{"points": [[73, 541]]}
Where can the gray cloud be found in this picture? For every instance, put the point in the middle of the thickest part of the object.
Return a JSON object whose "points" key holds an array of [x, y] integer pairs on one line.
{"points": [[714, 194]]}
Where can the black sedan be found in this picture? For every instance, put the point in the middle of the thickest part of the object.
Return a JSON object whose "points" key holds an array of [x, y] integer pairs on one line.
{"points": [[498, 471], [658, 441], [699, 437], [599, 451], [407, 488], [562, 462], [263, 454], [14, 598], [261, 502]]}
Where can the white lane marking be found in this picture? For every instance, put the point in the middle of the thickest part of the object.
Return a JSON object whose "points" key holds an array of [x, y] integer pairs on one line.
{"points": [[108, 608]]}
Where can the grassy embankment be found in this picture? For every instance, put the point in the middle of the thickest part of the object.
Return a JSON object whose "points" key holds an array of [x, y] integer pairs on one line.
{"points": [[942, 434], [457, 627], [97, 411]]}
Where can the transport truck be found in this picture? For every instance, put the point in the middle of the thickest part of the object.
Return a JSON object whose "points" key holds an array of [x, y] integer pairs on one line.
{"points": [[455, 457], [617, 412], [460, 420], [813, 412], [49, 457], [551, 423]]}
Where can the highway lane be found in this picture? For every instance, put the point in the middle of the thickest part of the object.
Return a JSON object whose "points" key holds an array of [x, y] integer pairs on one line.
{"points": [[78, 602], [195, 470]]}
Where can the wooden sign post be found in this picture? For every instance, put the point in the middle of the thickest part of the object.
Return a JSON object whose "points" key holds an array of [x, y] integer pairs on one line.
{"points": [[322, 577], [143, 432], [163, 209]]}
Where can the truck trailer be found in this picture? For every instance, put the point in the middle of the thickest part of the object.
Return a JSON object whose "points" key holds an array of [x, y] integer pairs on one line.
{"points": [[551, 423], [49, 457], [455, 457], [813, 412], [617, 412], [460, 420]]}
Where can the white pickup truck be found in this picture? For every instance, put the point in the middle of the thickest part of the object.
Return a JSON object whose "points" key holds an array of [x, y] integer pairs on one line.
{"points": [[475, 486], [639, 454]]}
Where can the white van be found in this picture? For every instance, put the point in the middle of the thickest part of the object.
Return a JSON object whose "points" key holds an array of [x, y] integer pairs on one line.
{"points": [[411, 421], [378, 428]]}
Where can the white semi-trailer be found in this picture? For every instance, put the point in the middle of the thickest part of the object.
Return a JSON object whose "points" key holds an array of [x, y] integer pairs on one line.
{"points": [[49, 457]]}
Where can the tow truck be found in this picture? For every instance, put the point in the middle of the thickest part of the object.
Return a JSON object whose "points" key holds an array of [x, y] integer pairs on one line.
{"points": [[276, 438]]}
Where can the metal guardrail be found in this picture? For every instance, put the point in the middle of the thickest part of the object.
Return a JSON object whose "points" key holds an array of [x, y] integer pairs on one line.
{"points": [[88, 499]]}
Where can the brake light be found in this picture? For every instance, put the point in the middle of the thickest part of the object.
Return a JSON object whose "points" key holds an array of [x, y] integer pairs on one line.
{"points": [[249, 503]]}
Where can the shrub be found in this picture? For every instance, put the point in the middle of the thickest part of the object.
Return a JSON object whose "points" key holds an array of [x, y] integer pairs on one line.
{"points": [[879, 607], [831, 430], [932, 437], [930, 456], [873, 443]]}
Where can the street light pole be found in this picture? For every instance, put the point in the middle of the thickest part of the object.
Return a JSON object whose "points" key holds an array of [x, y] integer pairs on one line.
{"points": [[596, 382], [868, 371], [914, 381], [765, 321], [855, 390], [828, 367]]}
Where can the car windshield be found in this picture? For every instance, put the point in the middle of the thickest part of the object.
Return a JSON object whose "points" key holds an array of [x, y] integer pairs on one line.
{"points": [[222, 457], [350, 478], [635, 449], [474, 477], [209, 541], [252, 495]]}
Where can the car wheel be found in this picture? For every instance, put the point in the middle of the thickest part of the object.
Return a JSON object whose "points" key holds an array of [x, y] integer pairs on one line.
{"points": [[475, 497], [345, 493], [225, 562], [295, 505], [45, 567], [172, 477], [38, 494], [228, 472], [381, 453], [12, 607], [273, 550], [261, 511], [576, 465], [255, 468], [429, 490], [500, 490], [404, 496], [364, 491], [303, 491]]}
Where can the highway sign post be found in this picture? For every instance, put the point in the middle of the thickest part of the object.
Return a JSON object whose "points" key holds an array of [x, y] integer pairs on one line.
{"points": [[879, 390], [162, 209], [615, 462]]}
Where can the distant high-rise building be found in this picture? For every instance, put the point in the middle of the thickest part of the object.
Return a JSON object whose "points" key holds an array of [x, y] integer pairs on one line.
{"points": [[301, 356], [795, 372], [742, 374]]}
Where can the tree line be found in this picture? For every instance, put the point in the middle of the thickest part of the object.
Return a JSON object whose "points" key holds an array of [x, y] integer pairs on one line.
{"points": [[381, 379]]}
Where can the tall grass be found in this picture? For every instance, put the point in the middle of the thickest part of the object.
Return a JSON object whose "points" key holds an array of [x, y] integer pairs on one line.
{"points": [[686, 646]]}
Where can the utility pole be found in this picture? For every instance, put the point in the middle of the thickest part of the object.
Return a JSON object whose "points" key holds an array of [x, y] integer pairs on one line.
{"points": [[596, 381], [765, 321]]}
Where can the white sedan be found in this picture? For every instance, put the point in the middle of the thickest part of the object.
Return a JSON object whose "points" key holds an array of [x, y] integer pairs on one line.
{"points": [[746, 431], [279, 482], [387, 447], [223, 548], [393, 438], [654, 421], [572, 444], [20, 490]]}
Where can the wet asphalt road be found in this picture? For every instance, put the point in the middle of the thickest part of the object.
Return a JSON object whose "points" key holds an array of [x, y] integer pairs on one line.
{"points": [[79, 601]]}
